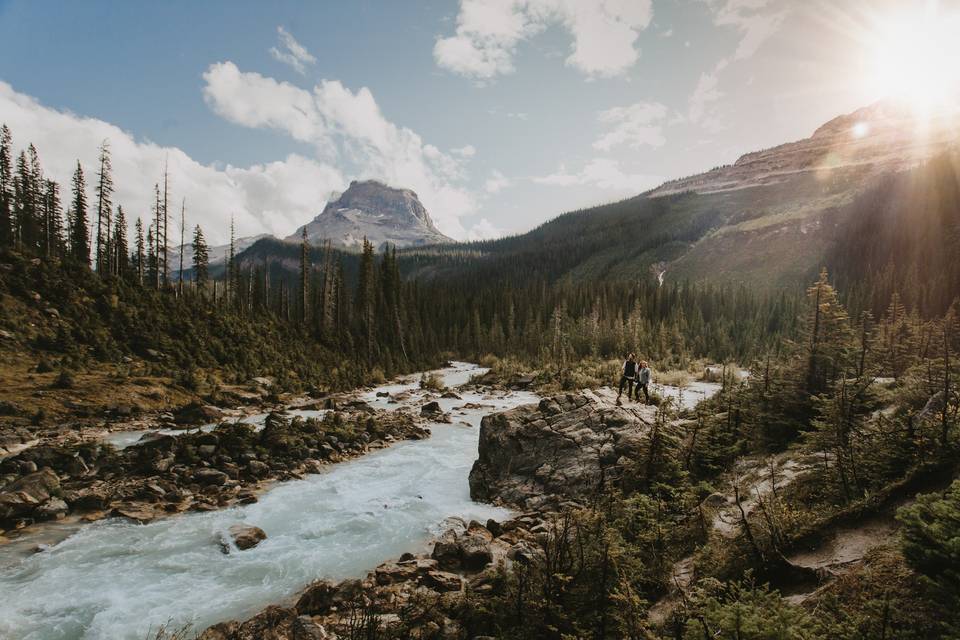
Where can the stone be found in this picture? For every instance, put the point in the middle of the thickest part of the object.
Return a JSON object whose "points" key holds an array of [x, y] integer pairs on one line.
{"points": [[446, 551], [197, 413], [52, 509], [137, 512], [431, 409], [442, 581], [317, 599], [393, 573], [246, 536], [258, 469], [210, 477], [566, 447], [475, 552], [451, 395], [22, 496]]}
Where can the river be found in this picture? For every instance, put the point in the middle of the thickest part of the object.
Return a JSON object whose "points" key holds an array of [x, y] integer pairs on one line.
{"points": [[115, 579]]}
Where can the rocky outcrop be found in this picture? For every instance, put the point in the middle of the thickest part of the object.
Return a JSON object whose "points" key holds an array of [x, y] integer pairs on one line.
{"points": [[28, 494], [567, 447]]}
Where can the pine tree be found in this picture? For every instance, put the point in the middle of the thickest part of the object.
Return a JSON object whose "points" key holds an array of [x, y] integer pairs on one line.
{"points": [[53, 220], [79, 233], [152, 266], [6, 187], [155, 234], [304, 276], [183, 223], [139, 261], [118, 246], [162, 230], [366, 299], [201, 258], [104, 190]]}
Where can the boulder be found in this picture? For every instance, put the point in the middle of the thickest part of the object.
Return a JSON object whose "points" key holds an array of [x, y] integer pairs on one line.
{"points": [[23, 496], [246, 536], [431, 409], [52, 509], [317, 599], [567, 447], [446, 551], [475, 552], [210, 477], [197, 413], [442, 581]]}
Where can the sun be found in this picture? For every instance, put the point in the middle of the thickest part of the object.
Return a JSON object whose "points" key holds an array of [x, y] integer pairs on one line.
{"points": [[915, 58]]}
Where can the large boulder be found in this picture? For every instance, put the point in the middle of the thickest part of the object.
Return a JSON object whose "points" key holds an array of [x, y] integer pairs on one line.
{"points": [[198, 413], [567, 447], [246, 536], [23, 496]]}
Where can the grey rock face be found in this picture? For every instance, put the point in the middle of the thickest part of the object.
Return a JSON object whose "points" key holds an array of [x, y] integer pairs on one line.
{"points": [[566, 447], [371, 209]]}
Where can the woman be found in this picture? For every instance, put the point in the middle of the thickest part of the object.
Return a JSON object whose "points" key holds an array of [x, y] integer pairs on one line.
{"points": [[643, 381]]}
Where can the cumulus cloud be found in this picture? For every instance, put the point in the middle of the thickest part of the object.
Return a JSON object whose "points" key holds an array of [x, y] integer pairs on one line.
{"points": [[635, 125], [467, 151], [274, 197], [292, 52], [603, 173], [349, 125], [496, 183], [488, 32], [484, 230]]}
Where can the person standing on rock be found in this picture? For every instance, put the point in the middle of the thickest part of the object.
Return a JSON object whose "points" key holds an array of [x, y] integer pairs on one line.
{"points": [[628, 373], [643, 381]]}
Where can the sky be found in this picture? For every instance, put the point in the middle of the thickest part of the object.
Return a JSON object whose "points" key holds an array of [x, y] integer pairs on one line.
{"points": [[500, 114]]}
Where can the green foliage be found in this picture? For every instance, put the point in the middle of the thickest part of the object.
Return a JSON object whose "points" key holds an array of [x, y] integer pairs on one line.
{"points": [[931, 541]]}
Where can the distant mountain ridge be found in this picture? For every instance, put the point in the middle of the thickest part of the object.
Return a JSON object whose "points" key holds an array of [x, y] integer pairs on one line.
{"points": [[373, 210], [876, 139]]}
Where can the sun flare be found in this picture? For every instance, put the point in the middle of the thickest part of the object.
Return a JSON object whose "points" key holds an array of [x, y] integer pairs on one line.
{"points": [[915, 59]]}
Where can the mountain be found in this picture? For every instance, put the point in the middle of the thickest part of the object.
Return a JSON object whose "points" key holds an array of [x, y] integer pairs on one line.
{"points": [[769, 220], [217, 253], [371, 209]]}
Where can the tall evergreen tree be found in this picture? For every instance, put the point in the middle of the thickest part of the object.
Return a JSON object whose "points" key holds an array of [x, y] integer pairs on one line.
{"points": [[183, 224], [79, 233], [139, 261], [6, 186], [104, 190], [52, 220], [201, 258], [304, 276], [118, 246]]}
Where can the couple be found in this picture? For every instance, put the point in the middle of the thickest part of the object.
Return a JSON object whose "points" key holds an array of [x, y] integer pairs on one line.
{"points": [[632, 372]]}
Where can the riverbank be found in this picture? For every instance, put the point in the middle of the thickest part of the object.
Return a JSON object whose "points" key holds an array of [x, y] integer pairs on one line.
{"points": [[338, 523]]}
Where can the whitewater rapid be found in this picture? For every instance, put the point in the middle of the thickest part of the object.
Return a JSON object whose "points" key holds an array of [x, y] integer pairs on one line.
{"points": [[118, 580]]}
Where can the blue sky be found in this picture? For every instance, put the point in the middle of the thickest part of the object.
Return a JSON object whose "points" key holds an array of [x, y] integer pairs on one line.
{"points": [[500, 113]]}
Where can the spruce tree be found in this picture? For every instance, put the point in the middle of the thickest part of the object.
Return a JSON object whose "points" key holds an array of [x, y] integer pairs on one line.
{"points": [[79, 233], [304, 276], [201, 258], [139, 261], [6, 187], [104, 190], [53, 220], [118, 245]]}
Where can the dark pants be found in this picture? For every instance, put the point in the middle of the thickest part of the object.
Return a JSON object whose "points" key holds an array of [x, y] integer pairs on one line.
{"points": [[646, 393], [626, 380]]}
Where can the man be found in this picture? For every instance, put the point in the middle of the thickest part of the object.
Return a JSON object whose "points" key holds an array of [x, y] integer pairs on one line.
{"points": [[628, 373], [643, 381]]}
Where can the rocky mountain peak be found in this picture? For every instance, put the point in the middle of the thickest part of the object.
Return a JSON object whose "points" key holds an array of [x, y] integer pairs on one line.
{"points": [[377, 211]]}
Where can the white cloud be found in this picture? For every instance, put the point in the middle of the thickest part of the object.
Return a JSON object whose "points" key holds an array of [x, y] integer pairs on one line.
{"points": [[467, 151], [292, 52], [756, 21], [349, 125], [273, 197], [496, 183], [603, 173], [635, 125], [484, 230], [489, 31]]}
